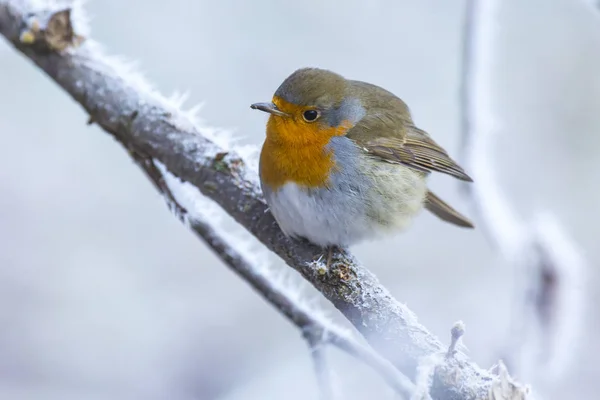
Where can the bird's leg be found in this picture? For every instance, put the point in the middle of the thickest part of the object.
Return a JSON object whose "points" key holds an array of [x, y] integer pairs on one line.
{"points": [[327, 252], [329, 255], [330, 250]]}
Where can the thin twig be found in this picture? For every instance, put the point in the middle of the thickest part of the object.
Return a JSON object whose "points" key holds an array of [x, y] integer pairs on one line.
{"points": [[316, 343], [465, 81], [491, 209]]}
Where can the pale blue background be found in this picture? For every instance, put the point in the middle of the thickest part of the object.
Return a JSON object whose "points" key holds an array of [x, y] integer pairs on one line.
{"points": [[104, 295]]}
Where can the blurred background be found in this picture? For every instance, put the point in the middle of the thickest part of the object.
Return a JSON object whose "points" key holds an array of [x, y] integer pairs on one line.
{"points": [[104, 295]]}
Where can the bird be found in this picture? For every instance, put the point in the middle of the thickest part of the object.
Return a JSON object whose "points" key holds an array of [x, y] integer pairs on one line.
{"points": [[343, 162]]}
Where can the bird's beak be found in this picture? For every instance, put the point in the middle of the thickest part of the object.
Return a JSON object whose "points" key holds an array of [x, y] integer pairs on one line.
{"points": [[270, 108]]}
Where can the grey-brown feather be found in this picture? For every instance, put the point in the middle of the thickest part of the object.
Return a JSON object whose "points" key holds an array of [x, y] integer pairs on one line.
{"points": [[445, 212], [388, 132]]}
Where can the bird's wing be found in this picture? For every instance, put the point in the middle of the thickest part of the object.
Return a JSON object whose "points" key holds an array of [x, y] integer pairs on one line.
{"points": [[413, 148], [388, 132]]}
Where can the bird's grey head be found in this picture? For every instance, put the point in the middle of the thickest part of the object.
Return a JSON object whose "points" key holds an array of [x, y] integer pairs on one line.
{"points": [[323, 90]]}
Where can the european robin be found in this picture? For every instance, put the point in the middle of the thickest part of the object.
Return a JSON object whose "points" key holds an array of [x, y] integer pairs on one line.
{"points": [[343, 162]]}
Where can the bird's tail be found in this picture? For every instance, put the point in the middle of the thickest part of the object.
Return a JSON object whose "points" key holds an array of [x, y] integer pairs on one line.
{"points": [[446, 213]]}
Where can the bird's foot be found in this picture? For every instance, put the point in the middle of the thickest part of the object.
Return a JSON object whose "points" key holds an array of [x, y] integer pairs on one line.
{"points": [[328, 255], [330, 251]]}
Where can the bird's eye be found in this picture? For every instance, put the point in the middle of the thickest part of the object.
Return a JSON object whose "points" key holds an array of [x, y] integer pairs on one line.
{"points": [[310, 115]]}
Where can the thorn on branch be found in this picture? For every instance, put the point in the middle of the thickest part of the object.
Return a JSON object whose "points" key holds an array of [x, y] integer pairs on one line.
{"points": [[52, 32], [457, 331], [220, 156], [221, 163]]}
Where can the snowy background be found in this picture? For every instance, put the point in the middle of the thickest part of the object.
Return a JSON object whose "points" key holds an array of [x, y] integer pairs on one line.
{"points": [[104, 295]]}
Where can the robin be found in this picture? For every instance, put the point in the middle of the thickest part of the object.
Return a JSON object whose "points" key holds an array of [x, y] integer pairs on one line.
{"points": [[343, 162]]}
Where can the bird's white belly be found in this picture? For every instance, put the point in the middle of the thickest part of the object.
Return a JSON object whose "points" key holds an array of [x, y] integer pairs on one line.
{"points": [[321, 218], [350, 213]]}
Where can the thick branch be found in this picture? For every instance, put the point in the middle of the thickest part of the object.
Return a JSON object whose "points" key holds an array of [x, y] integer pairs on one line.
{"points": [[317, 333], [145, 122]]}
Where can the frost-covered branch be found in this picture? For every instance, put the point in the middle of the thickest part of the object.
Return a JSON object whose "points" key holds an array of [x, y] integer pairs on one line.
{"points": [[548, 265], [317, 330], [152, 127]]}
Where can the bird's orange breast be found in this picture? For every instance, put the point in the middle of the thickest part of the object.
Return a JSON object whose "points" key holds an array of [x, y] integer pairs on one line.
{"points": [[296, 151], [307, 165]]}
